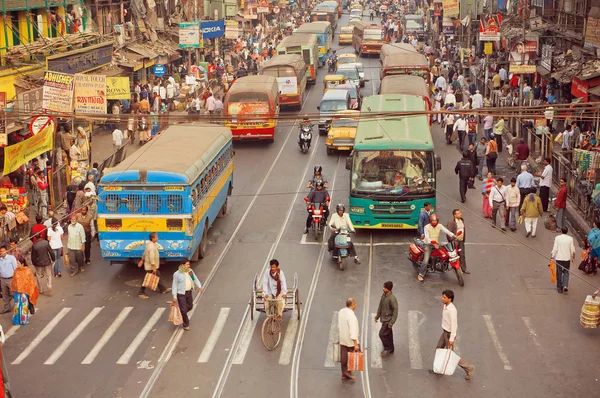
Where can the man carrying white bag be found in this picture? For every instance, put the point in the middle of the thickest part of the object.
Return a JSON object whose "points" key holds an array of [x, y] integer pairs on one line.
{"points": [[445, 358]]}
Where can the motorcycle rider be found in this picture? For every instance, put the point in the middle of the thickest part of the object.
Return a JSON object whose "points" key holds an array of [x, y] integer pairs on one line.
{"points": [[465, 169], [304, 124], [432, 233], [317, 176], [341, 220], [317, 195], [332, 62]]}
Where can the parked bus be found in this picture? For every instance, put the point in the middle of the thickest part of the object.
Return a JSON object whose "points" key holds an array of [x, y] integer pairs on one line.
{"points": [[406, 85], [290, 72], [324, 36], [394, 48], [406, 63], [305, 45], [367, 38], [175, 186], [393, 165], [324, 12], [251, 108]]}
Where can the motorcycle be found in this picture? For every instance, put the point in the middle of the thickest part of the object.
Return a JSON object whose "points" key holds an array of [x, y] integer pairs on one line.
{"points": [[341, 243], [305, 138], [511, 156], [318, 218], [331, 65], [443, 259]]}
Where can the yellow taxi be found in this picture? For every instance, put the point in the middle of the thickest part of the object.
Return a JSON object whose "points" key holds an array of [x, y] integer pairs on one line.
{"points": [[345, 36], [340, 136], [330, 82], [347, 58], [353, 21]]}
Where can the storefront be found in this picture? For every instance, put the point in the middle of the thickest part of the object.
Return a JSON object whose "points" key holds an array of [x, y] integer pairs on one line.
{"points": [[580, 86]]}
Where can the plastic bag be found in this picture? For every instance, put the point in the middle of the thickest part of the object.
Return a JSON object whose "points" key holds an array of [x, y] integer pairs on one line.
{"points": [[336, 352], [552, 272], [356, 361], [151, 280], [175, 315], [445, 361]]}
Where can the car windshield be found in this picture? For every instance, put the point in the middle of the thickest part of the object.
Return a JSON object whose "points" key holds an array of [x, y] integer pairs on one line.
{"points": [[346, 30], [344, 123], [332, 84], [345, 59], [393, 171], [351, 74], [373, 34], [333, 105]]}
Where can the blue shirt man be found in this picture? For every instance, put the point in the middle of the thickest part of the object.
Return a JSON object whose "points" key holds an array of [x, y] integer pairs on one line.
{"points": [[8, 265], [424, 218]]}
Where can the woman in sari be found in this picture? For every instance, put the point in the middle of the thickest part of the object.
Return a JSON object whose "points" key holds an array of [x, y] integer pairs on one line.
{"points": [[25, 294], [589, 264], [486, 188]]}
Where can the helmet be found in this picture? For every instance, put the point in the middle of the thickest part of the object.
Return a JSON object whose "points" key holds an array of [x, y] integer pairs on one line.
{"points": [[317, 169], [434, 220], [305, 118], [319, 184], [340, 207], [334, 51]]}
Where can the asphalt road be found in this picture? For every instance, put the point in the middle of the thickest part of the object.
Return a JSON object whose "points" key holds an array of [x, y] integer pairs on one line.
{"points": [[96, 338]]}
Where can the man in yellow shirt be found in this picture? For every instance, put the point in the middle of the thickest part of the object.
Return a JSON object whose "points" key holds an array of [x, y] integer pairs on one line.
{"points": [[496, 81]]}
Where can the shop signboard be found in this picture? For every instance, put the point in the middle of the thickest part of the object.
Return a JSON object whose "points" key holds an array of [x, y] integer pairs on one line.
{"points": [[160, 70], [3, 135], [448, 26], [90, 94], [437, 9], [40, 122], [212, 29], [546, 61], [31, 100], [451, 8], [287, 85], [592, 33], [522, 69], [488, 48], [117, 88], [81, 60], [58, 92], [18, 154], [231, 29], [189, 35], [522, 56], [489, 27]]}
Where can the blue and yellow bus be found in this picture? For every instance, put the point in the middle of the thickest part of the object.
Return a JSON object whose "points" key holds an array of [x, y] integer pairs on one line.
{"points": [[393, 164], [324, 36], [176, 186]]}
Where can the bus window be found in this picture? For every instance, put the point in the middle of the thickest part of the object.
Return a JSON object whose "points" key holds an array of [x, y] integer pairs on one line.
{"points": [[175, 203], [112, 203], [199, 191], [194, 196], [134, 203], [153, 203]]}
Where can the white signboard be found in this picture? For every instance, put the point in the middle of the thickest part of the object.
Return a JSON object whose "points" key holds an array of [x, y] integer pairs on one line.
{"points": [[287, 85], [189, 35]]}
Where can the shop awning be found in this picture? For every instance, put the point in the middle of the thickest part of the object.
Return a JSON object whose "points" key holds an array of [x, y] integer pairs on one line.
{"points": [[145, 51], [594, 91], [542, 71], [129, 59]]}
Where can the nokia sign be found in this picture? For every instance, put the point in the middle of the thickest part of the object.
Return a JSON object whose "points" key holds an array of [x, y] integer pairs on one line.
{"points": [[212, 29]]}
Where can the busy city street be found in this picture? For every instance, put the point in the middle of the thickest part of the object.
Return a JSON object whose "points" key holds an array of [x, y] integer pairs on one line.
{"points": [[98, 335]]}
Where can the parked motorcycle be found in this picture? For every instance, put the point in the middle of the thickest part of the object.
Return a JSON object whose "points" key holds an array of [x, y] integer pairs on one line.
{"points": [[341, 243], [305, 138], [511, 156], [443, 259], [318, 218]]}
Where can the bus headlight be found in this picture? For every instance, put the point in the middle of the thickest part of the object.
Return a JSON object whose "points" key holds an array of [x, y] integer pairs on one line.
{"points": [[330, 137], [412, 207], [357, 209], [371, 207]]}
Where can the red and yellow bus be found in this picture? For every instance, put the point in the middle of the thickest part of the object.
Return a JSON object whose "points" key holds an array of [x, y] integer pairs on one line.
{"points": [[367, 38], [290, 72], [251, 108]]}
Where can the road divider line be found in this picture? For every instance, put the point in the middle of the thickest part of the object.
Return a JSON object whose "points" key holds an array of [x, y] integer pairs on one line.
{"points": [[376, 344], [414, 343], [496, 341], [60, 350], [214, 335], [334, 335], [532, 333], [106, 336], [366, 321], [247, 333], [124, 360], [45, 332], [288, 340]]}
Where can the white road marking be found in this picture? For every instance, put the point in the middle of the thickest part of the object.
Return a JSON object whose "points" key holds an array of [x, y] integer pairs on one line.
{"points": [[376, 344], [11, 332], [124, 360], [533, 334], [45, 332], [288, 340], [60, 350], [334, 335], [247, 333], [496, 341], [414, 343], [106, 336], [214, 335]]}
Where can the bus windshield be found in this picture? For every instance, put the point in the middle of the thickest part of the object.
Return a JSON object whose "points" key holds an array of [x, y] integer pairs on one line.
{"points": [[373, 34], [393, 172], [423, 73]]}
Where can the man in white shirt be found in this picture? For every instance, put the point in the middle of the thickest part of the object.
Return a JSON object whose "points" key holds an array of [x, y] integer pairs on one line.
{"points": [[162, 91], [218, 105], [337, 221], [441, 83], [450, 99], [545, 182], [503, 75], [513, 198], [477, 100], [450, 329], [497, 200], [432, 232], [210, 103], [461, 126], [117, 137], [564, 254], [274, 288], [437, 97], [348, 328]]}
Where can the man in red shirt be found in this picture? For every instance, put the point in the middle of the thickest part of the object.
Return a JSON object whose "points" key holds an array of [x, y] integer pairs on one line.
{"points": [[472, 123], [42, 190], [38, 230], [521, 153], [560, 204]]}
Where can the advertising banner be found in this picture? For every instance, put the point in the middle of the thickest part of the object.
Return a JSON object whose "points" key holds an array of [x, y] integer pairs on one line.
{"points": [[81, 60], [212, 29], [451, 8], [522, 56], [287, 85], [3, 135], [58, 92], [592, 33], [90, 94], [117, 88], [24, 151], [189, 35], [489, 27]]}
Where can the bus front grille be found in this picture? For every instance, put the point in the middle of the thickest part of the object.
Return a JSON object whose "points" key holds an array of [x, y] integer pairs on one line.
{"points": [[392, 210]]}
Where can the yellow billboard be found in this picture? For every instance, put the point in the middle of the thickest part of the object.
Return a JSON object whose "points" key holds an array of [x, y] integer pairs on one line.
{"points": [[17, 155]]}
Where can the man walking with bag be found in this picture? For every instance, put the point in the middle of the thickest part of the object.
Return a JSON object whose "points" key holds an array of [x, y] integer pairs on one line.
{"points": [[42, 258], [564, 254], [348, 328], [449, 329], [184, 280], [498, 203], [388, 313], [151, 261]]}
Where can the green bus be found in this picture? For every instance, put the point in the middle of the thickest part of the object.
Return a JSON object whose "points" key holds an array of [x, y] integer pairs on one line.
{"points": [[393, 165]]}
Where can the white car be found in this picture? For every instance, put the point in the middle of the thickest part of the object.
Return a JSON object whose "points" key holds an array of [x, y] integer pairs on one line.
{"points": [[361, 72]]}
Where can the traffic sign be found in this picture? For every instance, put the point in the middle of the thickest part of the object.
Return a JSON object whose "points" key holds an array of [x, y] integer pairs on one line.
{"points": [[38, 123], [159, 70]]}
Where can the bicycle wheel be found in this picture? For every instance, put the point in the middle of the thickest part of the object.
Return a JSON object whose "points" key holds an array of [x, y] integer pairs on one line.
{"points": [[271, 333]]}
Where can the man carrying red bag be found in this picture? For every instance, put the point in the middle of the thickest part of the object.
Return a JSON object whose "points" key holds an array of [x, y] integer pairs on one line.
{"points": [[348, 327]]}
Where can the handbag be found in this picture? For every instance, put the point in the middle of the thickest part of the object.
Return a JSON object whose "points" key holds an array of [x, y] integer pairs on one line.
{"points": [[356, 361], [175, 316], [445, 361], [151, 281]]}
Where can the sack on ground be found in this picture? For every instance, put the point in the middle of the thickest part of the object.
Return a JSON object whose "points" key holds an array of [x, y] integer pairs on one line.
{"points": [[445, 362], [336, 352], [356, 361], [175, 315], [150, 281], [550, 222]]}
